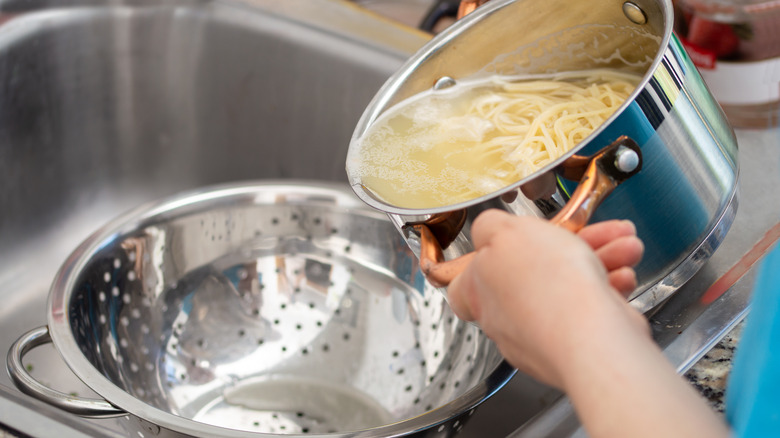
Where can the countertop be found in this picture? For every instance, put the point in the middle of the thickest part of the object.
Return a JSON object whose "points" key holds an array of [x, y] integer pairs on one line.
{"points": [[710, 374]]}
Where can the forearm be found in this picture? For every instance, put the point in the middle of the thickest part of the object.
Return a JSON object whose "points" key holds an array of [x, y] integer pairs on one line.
{"points": [[624, 386], [573, 329]]}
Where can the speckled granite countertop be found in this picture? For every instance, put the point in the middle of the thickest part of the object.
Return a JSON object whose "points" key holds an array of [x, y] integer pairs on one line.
{"points": [[710, 374]]}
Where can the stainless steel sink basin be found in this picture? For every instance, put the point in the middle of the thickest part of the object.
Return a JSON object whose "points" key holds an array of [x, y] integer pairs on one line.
{"points": [[106, 106], [102, 108]]}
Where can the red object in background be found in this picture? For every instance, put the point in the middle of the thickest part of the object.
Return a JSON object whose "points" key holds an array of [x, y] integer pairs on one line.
{"points": [[750, 258], [736, 46], [701, 57], [6, 17], [717, 37]]}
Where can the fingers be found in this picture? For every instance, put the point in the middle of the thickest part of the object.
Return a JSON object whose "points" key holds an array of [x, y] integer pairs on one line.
{"points": [[619, 249], [614, 242], [488, 223], [623, 280], [601, 233], [623, 251], [462, 296], [462, 293]]}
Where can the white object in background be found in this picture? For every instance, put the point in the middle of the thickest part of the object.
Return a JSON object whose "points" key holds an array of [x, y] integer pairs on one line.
{"points": [[744, 83]]}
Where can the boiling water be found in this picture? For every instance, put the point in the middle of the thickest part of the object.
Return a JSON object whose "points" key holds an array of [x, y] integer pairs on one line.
{"points": [[444, 147]]}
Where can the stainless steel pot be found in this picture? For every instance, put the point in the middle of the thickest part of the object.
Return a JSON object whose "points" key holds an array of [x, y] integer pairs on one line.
{"points": [[684, 198], [262, 309]]}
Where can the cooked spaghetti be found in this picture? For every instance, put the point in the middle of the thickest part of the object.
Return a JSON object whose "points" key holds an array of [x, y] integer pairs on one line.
{"points": [[445, 147]]}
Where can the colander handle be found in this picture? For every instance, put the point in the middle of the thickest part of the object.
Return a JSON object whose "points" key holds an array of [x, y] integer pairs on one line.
{"points": [[84, 407]]}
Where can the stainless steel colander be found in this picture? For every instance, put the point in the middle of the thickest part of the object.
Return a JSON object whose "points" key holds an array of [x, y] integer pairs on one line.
{"points": [[273, 308]]}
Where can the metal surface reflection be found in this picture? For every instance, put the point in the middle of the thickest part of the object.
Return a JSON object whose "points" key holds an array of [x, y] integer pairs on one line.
{"points": [[683, 200], [266, 309]]}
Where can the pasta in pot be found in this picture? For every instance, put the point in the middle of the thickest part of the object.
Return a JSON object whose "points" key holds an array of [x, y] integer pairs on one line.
{"points": [[444, 147]]}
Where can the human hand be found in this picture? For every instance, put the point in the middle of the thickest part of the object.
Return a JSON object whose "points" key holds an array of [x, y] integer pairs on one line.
{"points": [[551, 301], [538, 290], [619, 249]]}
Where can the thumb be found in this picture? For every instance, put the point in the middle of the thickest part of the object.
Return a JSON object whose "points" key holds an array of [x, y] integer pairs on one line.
{"points": [[460, 296]]}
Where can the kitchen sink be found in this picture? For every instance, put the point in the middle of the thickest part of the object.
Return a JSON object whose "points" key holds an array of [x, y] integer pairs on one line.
{"points": [[107, 105]]}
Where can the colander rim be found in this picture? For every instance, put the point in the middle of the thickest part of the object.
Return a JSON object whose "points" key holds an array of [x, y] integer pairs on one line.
{"points": [[65, 281]]}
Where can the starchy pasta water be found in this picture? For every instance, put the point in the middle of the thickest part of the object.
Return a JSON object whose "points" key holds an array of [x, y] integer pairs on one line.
{"points": [[444, 147]]}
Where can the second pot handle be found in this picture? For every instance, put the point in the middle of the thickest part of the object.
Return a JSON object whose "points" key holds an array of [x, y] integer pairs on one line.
{"points": [[605, 171], [84, 407], [468, 6]]}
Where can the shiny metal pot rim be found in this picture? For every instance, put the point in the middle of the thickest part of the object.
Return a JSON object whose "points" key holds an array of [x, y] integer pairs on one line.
{"points": [[683, 199], [382, 102]]}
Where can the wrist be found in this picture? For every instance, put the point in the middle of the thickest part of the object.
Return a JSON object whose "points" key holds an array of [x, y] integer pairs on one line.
{"points": [[621, 384], [606, 339]]}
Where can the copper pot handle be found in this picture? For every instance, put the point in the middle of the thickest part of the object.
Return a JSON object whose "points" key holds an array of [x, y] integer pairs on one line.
{"points": [[605, 170], [467, 6], [440, 9]]}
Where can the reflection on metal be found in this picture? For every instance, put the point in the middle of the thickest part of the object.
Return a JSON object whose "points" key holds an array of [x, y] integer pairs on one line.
{"points": [[634, 13], [694, 318], [73, 404], [602, 176], [262, 285], [605, 171], [689, 152], [444, 82], [626, 160]]}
